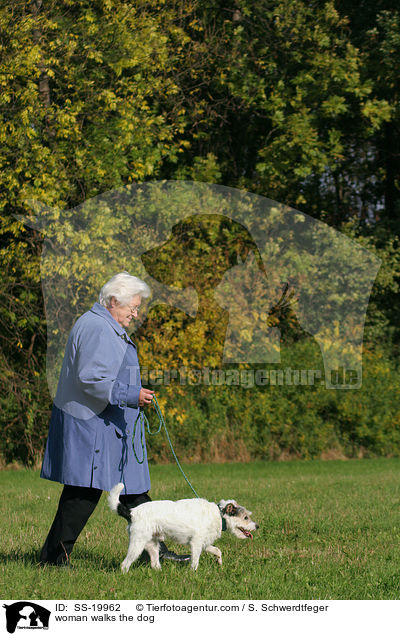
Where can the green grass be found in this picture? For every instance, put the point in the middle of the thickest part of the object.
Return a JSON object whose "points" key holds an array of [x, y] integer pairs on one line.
{"points": [[328, 530]]}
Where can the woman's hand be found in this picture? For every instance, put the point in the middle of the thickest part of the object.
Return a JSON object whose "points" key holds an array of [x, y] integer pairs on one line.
{"points": [[145, 397]]}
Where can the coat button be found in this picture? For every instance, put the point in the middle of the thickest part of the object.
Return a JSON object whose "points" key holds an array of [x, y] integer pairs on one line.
{"points": [[94, 467], [97, 450]]}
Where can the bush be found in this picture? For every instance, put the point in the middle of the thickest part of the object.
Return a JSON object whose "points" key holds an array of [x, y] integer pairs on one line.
{"points": [[217, 423], [225, 423]]}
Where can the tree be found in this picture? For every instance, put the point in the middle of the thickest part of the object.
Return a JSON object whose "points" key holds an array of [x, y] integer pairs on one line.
{"points": [[80, 114], [274, 90]]}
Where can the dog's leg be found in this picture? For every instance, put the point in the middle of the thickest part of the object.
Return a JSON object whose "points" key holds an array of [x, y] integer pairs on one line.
{"points": [[216, 552], [135, 549], [196, 548], [153, 548]]}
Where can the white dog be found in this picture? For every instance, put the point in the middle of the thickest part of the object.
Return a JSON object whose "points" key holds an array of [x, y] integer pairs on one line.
{"points": [[195, 522]]}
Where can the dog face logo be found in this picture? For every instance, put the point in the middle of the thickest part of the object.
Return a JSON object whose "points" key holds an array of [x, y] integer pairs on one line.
{"points": [[26, 615], [230, 261]]}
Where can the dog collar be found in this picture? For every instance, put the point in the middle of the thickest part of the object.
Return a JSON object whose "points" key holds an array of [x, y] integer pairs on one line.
{"points": [[223, 523]]}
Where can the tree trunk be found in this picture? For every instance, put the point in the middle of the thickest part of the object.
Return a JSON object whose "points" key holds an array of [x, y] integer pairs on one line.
{"points": [[44, 85]]}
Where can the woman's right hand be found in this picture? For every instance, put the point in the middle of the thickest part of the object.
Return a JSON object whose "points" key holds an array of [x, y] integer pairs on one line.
{"points": [[145, 397]]}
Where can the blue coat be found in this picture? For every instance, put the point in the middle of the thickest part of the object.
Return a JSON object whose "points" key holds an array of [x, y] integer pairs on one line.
{"points": [[96, 410]]}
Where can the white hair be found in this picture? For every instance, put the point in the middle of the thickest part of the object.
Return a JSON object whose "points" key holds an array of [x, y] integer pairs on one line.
{"points": [[123, 287]]}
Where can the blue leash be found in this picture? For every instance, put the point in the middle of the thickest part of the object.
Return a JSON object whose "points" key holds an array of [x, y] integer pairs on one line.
{"points": [[145, 421]]}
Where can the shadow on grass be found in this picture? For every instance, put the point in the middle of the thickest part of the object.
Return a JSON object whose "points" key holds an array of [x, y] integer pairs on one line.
{"points": [[79, 559], [96, 561], [17, 556]]}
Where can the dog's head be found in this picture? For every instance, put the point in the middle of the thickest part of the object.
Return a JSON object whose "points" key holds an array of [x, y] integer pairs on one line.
{"points": [[238, 519], [199, 251]]}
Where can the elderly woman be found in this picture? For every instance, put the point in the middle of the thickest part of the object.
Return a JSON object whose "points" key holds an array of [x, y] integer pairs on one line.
{"points": [[95, 437]]}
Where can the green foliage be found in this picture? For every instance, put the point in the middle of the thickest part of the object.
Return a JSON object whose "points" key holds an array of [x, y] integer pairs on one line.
{"points": [[277, 91], [375, 31], [295, 101], [80, 113], [24, 415], [95, 121], [286, 415]]}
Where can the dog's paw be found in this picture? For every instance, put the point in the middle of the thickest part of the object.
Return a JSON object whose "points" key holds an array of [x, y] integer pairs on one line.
{"points": [[219, 560], [156, 566], [125, 567]]}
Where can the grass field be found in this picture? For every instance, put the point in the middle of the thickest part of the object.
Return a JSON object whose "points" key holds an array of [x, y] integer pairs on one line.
{"points": [[328, 530]]}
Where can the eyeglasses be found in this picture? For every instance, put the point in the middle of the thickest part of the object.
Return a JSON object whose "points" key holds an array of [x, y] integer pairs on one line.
{"points": [[133, 310]]}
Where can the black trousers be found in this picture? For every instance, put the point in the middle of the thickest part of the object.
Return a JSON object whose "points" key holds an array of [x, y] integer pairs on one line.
{"points": [[74, 509]]}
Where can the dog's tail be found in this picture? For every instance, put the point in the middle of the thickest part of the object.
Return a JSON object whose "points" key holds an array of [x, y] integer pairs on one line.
{"points": [[116, 505]]}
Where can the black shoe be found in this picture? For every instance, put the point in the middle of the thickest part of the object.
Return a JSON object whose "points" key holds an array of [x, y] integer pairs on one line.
{"points": [[61, 560], [172, 556]]}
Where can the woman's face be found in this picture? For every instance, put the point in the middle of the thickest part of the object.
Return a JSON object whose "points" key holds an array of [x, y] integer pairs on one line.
{"points": [[123, 314]]}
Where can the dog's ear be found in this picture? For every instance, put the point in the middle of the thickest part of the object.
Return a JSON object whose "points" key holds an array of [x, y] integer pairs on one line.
{"points": [[230, 510]]}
